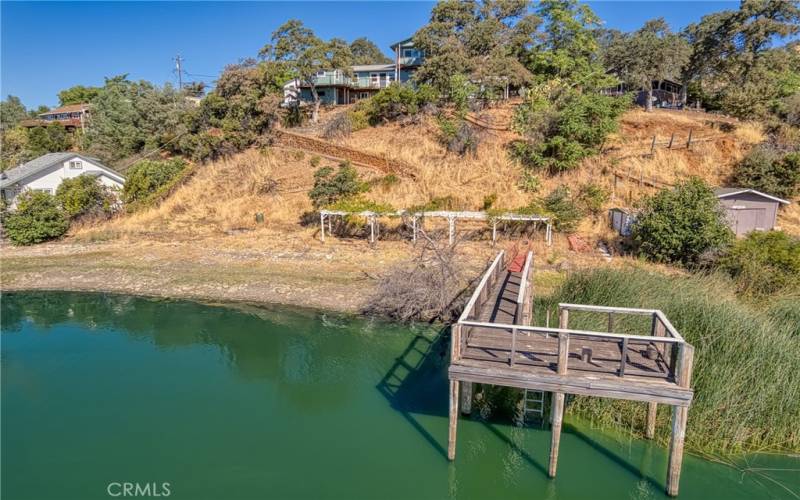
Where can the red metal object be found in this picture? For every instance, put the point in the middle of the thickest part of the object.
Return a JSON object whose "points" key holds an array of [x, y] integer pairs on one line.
{"points": [[518, 263]]}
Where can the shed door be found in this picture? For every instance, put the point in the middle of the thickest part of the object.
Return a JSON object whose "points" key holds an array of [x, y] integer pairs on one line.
{"points": [[748, 219]]}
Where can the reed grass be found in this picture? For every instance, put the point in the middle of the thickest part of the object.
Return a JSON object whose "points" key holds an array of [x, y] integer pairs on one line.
{"points": [[746, 378]]}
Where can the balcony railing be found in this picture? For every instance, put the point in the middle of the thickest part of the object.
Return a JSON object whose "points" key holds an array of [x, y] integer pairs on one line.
{"points": [[355, 82]]}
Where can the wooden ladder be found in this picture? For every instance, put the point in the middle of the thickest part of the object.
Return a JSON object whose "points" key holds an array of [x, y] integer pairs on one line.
{"points": [[533, 404]]}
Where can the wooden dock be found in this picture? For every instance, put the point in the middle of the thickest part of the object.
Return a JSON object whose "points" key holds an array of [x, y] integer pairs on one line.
{"points": [[494, 343]]}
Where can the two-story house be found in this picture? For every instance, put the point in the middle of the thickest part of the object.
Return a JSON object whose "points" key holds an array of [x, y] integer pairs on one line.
{"points": [[72, 116], [335, 87]]}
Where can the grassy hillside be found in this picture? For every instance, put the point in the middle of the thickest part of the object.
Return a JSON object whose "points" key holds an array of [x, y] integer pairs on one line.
{"points": [[224, 196]]}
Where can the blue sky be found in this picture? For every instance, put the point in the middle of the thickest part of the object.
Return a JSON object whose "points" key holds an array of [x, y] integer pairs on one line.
{"points": [[49, 46]]}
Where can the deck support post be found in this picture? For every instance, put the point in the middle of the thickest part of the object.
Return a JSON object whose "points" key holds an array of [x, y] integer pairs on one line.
{"points": [[451, 222], [555, 431], [650, 428], [466, 398], [414, 229], [322, 226], [494, 231], [371, 229], [451, 442], [683, 376]]}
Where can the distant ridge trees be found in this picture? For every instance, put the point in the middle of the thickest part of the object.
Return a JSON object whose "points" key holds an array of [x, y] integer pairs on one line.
{"points": [[366, 52]]}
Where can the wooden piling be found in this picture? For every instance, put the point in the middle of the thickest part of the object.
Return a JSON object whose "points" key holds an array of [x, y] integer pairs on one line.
{"points": [[466, 398], [555, 432], [683, 376], [451, 444], [650, 428]]}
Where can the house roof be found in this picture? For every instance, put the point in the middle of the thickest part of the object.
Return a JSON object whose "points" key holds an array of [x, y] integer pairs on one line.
{"points": [[17, 174], [404, 43], [373, 67], [730, 191], [70, 108]]}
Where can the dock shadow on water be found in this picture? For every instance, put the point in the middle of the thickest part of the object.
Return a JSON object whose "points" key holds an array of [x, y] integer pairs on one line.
{"points": [[241, 402], [416, 381]]}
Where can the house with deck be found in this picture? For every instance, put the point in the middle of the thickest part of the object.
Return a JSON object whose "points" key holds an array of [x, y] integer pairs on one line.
{"points": [[47, 172], [335, 87], [72, 116]]}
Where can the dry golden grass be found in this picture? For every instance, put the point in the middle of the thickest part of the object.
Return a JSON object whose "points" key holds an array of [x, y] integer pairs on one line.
{"points": [[223, 197]]}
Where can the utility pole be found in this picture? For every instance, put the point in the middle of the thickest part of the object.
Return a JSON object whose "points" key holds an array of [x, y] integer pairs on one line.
{"points": [[179, 69]]}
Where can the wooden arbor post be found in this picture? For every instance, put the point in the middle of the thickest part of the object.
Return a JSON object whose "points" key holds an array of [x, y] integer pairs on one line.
{"points": [[683, 376]]}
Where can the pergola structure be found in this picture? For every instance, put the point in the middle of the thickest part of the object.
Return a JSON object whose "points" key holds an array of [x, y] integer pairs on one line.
{"points": [[418, 217]]}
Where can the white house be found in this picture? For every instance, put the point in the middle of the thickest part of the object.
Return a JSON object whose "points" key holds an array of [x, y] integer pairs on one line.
{"points": [[45, 173]]}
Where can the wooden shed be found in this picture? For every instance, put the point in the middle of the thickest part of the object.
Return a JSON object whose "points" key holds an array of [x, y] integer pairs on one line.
{"points": [[749, 210]]}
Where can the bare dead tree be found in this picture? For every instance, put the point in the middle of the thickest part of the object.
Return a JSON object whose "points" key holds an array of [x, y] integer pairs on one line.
{"points": [[430, 287]]}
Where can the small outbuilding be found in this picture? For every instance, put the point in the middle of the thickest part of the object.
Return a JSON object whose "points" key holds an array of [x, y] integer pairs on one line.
{"points": [[621, 221], [748, 209]]}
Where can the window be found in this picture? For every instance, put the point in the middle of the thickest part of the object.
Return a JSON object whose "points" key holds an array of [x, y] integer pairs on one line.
{"points": [[43, 190], [321, 93], [75, 165], [409, 53]]}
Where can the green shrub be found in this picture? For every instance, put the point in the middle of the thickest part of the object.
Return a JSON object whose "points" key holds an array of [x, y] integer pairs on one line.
{"points": [[592, 197], [680, 224], [562, 207], [764, 263], [396, 101], [530, 182], [770, 171], [358, 119], [563, 126], [360, 204], [37, 218], [314, 161], [84, 195], [448, 202], [745, 379], [146, 177], [330, 187], [489, 201], [460, 91]]}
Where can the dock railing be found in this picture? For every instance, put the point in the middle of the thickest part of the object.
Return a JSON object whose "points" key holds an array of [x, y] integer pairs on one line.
{"points": [[476, 302], [524, 297]]}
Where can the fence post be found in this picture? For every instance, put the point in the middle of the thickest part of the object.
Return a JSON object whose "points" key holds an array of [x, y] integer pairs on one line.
{"points": [[689, 141], [653, 145], [672, 138]]}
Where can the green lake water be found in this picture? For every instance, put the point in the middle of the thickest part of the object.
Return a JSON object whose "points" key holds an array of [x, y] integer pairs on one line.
{"points": [[252, 403]]}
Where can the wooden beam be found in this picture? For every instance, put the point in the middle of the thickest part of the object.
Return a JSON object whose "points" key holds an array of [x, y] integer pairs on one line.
{"points": [[451, 437], [683, 377], [574, 383], [466, 398], [650, 428], [555, 431]]}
